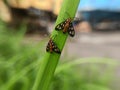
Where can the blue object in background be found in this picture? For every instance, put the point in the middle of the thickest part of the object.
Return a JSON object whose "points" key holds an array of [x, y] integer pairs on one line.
{"points": [[97, 11], [111, 5]]}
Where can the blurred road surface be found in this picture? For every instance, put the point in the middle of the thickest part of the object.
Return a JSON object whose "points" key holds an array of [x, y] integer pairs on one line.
{"points": [[99, 44]]}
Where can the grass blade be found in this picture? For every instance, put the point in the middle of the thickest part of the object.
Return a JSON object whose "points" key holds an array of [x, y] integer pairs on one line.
{"points": [[50, 61]]}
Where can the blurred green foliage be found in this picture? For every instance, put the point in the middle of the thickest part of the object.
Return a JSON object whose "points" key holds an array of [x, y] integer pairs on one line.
{"points": [[85, 74], [18, 59], [19, 63]]}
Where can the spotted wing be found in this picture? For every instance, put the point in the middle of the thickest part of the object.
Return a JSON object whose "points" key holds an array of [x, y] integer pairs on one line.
{"points": [[60, 26], [71, 30], [48, 47], [56, 49]]}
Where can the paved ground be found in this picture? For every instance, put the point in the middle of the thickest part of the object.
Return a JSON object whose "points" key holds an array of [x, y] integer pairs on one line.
{"points": [[105, 44]]}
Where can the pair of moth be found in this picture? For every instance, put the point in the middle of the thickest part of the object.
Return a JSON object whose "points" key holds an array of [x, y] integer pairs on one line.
{"points": [[66, 26]]}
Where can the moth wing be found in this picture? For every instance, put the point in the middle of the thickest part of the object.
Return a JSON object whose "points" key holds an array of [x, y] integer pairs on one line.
{"points": [[56, 49], [48, 47], [61, 25], [71, 30]]}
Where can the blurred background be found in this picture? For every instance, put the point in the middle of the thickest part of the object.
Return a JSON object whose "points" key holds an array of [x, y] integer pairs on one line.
{"points": [[93, 64]]}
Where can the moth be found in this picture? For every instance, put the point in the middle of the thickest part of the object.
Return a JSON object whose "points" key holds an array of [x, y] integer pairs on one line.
{"points": [[52, 47], [66, 26]]}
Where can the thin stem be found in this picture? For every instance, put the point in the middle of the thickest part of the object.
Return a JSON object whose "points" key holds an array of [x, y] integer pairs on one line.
{"points": [[50, 61]]}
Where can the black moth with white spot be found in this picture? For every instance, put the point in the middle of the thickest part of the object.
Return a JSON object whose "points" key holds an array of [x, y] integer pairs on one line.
{"points": [[66, 26], [52, 47]]}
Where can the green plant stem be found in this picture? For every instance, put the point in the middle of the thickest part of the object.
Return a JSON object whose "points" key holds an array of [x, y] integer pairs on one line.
{"points": [[50, 61]]}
